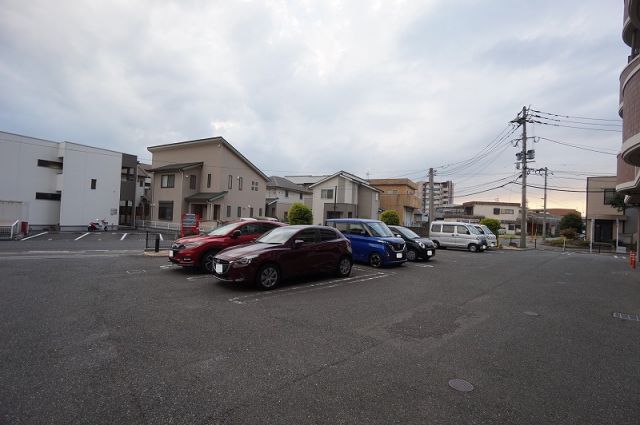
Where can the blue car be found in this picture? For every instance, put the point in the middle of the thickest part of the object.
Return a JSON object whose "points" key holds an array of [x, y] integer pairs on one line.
{"points": [[372, 241]]}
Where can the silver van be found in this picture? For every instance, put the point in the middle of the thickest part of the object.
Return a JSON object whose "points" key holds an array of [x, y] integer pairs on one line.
{"points": [[492, 240], [453, 234]]}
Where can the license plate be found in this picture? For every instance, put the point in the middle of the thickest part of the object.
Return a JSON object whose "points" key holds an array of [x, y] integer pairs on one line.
{"points": [[429, 253], [218, 268], [170, 253], [399, 255]]}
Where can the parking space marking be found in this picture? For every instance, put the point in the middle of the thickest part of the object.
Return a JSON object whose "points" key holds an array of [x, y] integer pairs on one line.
{"points": [[136, 271], [34, 236], [257, 297], [81, 236], [123, 236], [420, 265]]}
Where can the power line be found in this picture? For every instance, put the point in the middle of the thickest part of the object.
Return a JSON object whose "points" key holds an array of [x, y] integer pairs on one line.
{"points": [[577, 122], [576, 117], [577, 146], [571, 126]]}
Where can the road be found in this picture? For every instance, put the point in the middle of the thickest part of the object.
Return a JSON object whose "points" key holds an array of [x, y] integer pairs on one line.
{"points": [[94, 335]]}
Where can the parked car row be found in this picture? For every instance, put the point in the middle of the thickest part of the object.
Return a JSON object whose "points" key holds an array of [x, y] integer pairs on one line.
{"points": [[266, 252]]}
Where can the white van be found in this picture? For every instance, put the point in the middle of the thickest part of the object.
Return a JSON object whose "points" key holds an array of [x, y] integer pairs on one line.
{"points": [[454, 234], [492, 240]]}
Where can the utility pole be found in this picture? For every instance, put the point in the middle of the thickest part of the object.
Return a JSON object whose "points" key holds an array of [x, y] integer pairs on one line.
{"points": [[544, 214], [432, 212], [522, 156]]}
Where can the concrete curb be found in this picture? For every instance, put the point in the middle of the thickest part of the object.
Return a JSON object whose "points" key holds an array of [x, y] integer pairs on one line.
{"points": [[152, 253]]}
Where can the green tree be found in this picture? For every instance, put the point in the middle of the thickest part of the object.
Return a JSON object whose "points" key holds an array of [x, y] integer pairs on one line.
{"points": [[300, 214], [572, 220], [618, 202], [390, 217], [492, 224]]}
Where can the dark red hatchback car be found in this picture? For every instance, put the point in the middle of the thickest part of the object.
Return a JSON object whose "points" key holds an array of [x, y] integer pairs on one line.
{"points": [[286, 252], [199, 250]]}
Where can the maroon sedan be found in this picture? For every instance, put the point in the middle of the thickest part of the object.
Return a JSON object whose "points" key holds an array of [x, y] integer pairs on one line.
{"points": [[286, 252], [199, 250]]}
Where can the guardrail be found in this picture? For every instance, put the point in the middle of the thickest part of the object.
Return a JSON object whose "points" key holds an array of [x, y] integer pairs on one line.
{"points": [[9, 232]]}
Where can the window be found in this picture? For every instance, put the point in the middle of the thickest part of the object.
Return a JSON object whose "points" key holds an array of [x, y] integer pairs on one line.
{"points": [[328, 235], [259, 212], [377, 196], [239, 211], [208, 180], [239, 183], [609, 196], [167, 180], [48, 196], [230, 185], [254, 185], [506, 211], [192, 182], [462, 230], [301, 196], [436, 227], [286, 216], [326, 194], [250, 211], [228, 210], [50, 164], [286, 193], [306, 235], [93, 183], [165, 210], [496, 211], [448, 228]]}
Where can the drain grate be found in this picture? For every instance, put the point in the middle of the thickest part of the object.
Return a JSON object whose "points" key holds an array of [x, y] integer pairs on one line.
{"points": [[626, 316]]}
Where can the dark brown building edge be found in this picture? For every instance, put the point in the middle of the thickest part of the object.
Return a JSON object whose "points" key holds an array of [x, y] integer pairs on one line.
{"points": [[126, 213]]}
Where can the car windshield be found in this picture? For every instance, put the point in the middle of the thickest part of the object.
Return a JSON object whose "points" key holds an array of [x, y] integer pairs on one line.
{"points": [[222, 230], [408, 233], [378, 228], [479, 229], [278, 236], [486, 229], [474, 230]]}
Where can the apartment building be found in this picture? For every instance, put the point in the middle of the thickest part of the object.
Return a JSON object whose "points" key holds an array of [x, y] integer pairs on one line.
{"points": [[64, 185], [605, 223], [508, 213], [207, 177], [400, 195], [628, 175], [442, 194]]}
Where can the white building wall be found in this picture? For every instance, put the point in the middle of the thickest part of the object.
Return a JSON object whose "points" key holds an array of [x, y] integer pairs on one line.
{"points": [[22, 177], [318, 203], [81, 204]]}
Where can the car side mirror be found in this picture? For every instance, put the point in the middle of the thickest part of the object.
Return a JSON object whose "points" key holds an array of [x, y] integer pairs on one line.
{"points": [[235, 234], [397, 235], [298, 243]]}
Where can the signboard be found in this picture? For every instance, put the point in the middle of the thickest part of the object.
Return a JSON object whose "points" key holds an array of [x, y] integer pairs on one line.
{"points": [[190, 224]]}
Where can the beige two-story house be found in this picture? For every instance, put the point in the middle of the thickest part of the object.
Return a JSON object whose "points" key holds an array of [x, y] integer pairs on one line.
{"points": [[207, 177], [344, 195]]}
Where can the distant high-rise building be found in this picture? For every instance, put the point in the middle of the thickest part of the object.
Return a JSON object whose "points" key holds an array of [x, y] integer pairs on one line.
{"points": [[442, 194]]}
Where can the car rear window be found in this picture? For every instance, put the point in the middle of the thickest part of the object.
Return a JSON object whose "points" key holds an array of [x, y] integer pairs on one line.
{"points": [[328, 235], [448, 228]]}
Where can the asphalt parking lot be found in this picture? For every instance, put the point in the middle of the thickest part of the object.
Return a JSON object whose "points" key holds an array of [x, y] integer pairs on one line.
{"points": [[114, 336]]}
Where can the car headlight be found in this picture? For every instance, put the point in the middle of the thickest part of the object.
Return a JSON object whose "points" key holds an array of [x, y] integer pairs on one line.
{"points": [[244, 261], [421, 245], [193, 244]]}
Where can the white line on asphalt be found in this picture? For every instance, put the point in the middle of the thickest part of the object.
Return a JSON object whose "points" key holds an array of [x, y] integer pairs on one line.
{"points": [[422, 265], [123, 236], [253, 298], [81, 236], [34, 236], [136, 271], [192, 278]]}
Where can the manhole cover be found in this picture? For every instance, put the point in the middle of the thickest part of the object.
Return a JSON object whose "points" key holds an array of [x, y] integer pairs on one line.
{"points": [[461, 385], [531, 313]]}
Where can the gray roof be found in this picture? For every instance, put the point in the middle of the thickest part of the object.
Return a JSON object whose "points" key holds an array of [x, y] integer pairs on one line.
{"points": [[177, 167], [205, 196], [350, 177], [282, 183]]}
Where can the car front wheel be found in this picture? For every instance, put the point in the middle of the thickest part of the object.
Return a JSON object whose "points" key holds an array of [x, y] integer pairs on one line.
{"points": [[268, 276], [412, 255], [207, 263], [473, 247], [344, 267], [375, 260]]}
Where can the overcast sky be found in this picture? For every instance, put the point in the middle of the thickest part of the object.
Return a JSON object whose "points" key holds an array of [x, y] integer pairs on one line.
{"points": [[377, 88]]}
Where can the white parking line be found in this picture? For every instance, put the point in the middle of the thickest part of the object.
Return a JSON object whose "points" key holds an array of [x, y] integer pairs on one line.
{"points": [[123, 236], [254, 298], [421, 265], [81, 236], [34, 236]]}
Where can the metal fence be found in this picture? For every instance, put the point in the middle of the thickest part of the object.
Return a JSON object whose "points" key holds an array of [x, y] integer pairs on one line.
{"points": [[9, 231]]}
